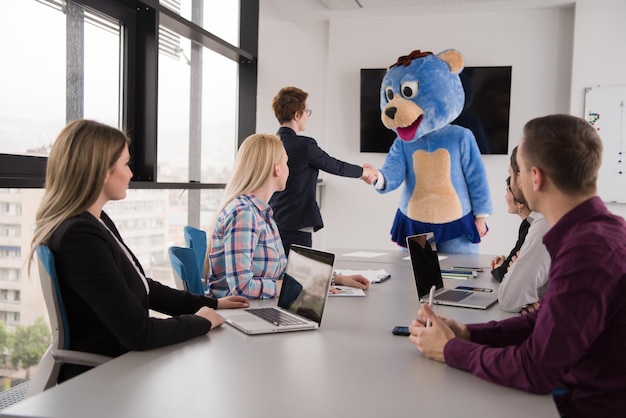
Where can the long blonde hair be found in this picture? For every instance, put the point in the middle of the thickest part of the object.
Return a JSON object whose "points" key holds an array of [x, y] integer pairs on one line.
{"points": [[80, 158], [254, 166]]}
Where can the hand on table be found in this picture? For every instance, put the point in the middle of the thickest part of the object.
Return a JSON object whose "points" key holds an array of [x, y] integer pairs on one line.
{"points": [[432, 340], [210, 315], [354, 280], [232, 302]]}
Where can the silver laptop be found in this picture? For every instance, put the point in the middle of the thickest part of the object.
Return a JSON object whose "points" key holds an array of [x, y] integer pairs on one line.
{"points": [[302, 298], [427, 272]]}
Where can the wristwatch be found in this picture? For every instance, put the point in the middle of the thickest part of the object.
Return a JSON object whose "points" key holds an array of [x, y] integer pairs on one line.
{"points": [[332, 278]]}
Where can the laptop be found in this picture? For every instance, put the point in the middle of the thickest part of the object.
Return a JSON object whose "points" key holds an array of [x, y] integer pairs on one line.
{"points": [[427, 272], [302, 298]]}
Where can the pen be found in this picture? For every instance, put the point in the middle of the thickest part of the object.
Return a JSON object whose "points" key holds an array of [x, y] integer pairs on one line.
{"points": [[480, 269], [431, 297]]}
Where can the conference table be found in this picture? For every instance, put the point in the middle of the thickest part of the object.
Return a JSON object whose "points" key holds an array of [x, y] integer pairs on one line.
{"points": [[352, 366]]}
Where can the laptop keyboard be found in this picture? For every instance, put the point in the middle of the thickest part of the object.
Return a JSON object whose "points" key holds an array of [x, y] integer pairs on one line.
{"points": [[275, 316], [453, 295]]}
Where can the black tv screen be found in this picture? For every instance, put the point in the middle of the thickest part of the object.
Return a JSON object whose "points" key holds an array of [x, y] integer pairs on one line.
{"points": [[486, 113]]}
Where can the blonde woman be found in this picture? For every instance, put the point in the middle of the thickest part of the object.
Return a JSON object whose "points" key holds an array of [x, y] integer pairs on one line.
{"points": [[104, 288], [245, 254]]}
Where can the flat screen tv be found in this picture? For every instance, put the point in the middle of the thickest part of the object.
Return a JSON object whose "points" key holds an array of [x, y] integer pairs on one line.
{"points": [[486, 113]]}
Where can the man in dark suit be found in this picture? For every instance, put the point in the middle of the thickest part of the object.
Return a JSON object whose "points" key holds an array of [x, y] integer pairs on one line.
{"points": [[295, 209]]}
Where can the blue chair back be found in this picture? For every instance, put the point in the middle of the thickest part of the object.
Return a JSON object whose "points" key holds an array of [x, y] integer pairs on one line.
{"points": [[52, 295], [185, 267], [196, 240], [58, 353]]}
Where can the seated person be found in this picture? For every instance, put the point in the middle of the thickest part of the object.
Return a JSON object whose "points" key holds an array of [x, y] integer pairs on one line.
{"points": [[500, 264], [573, 346], [245, 255], [105, 291], [526, 280]]}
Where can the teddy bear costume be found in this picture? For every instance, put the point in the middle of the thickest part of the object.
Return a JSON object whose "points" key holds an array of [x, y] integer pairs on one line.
{"points": [[445, 182]]}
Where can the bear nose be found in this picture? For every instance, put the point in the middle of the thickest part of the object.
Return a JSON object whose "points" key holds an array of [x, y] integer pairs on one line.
{"points": [[391, 112]]}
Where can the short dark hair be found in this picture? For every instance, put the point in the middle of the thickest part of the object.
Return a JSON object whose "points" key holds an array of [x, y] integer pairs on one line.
{"points": [[568, 150], [288, 102]]}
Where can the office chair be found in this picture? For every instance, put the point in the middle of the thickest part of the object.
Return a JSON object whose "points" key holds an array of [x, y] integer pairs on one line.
{"points": [[185, 267], [196, 240], [59, 351]]}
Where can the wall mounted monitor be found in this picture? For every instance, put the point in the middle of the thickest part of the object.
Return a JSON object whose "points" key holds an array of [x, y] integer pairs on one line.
{"points": [[486, 113]]}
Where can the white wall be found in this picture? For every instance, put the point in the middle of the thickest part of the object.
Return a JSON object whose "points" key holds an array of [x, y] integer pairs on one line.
{"points": [[324, 58], [599, 55]]}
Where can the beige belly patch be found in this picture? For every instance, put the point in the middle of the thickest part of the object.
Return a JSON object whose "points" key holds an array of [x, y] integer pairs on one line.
{"points": [[434, 199]]}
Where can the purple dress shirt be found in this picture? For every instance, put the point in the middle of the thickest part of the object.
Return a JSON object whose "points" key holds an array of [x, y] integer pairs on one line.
{"points": [[577, 339]]}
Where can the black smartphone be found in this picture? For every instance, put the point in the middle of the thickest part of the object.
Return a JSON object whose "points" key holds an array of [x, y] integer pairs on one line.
{"points": [[401, 331]]}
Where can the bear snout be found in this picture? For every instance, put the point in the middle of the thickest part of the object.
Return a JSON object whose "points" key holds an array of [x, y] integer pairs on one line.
{"points": [[391, 112]]}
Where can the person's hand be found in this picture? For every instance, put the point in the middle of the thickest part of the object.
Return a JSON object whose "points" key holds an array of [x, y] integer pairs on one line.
{"points": [[210, 315], [333, 290], [481, 225], [354, 280], [430, 341], [370, 174], [232, 302], [531, 308], [513, 259], [497, 261]]}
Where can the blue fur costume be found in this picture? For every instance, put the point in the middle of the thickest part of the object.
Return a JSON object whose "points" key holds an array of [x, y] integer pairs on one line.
{"points": [[445, 182]]}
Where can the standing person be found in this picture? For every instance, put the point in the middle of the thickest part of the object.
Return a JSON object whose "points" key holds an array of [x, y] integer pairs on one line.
{"points": [[245, 254], [295, 209], [500, 264], [526, 279], [574, 345], [104, 288]]}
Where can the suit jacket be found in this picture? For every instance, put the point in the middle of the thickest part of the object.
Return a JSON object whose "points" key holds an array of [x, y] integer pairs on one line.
{"points": [[106, 299], [296, 207]]}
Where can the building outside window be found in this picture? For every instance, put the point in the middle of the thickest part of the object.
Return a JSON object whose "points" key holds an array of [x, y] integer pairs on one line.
{"points": [[81, 69]]}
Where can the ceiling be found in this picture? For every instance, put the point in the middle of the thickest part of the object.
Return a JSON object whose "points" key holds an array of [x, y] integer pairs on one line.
{"points": [[294, 10]]}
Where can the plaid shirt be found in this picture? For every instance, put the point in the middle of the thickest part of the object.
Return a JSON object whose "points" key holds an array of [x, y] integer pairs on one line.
{"points": [[247, 255]]}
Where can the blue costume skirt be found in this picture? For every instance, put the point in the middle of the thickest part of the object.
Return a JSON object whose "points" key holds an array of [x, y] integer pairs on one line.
{"points": [[403, 226]]}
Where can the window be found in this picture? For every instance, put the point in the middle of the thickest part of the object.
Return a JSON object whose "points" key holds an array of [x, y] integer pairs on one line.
{"points": [[108, 66]]}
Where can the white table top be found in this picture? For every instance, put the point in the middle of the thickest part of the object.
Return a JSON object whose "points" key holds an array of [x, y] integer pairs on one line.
{"points": [[351, 367]]}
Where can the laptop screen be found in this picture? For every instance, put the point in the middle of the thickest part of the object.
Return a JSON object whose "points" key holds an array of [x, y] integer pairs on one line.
{"points": [[425, 263], [306, 282]]}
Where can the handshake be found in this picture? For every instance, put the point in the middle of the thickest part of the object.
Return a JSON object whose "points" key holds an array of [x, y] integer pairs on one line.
{"points": [[370, 174]]}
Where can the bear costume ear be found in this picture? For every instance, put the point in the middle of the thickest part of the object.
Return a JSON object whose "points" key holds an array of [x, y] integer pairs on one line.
{"points": [[454, 59]]}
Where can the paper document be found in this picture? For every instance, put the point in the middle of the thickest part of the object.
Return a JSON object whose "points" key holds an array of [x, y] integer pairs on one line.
{"points": [[364, 254], [347, 291], [374, 276], [440, 257]]}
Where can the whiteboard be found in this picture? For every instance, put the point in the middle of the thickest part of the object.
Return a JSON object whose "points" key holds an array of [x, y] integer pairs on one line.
{"points": [[605, 110]]}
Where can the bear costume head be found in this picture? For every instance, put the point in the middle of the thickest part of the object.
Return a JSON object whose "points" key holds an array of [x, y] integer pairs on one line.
{"points": [[421, 93]]}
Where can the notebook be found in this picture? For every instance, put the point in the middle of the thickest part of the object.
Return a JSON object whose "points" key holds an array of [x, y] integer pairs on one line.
{"points": [[302, 298], [427, 272]]}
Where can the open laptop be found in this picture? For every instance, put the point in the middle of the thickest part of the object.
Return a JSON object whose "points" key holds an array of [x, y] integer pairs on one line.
{"points": [[302, 298], [427, 272]]}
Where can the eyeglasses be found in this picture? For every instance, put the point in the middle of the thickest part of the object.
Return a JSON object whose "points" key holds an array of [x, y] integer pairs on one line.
{"points": [[307, 111]]}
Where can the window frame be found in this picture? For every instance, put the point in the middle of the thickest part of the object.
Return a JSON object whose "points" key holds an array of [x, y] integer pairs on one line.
{"points": [[140, 37]]}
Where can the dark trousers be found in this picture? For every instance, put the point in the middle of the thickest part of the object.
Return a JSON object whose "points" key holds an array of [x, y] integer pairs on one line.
{"points": [[296, 237]]}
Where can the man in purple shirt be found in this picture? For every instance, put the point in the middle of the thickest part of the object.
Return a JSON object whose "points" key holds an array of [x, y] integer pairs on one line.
{"points": [[575, 344]]}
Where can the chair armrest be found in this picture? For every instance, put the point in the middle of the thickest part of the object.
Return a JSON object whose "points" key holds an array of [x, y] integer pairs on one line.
{"points": [[79, 357]]}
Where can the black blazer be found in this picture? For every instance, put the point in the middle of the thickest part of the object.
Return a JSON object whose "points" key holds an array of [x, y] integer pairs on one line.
{"points": [[106, 300], [296, 207], [499, 272]]}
